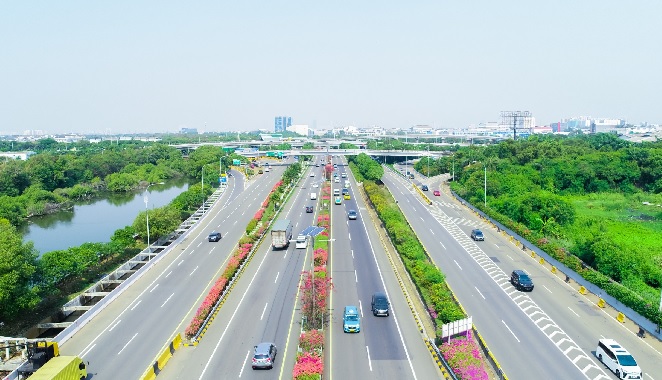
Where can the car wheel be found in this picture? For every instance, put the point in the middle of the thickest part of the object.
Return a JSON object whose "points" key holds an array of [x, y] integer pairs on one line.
{"points": [[618, 374], [600, 357]]}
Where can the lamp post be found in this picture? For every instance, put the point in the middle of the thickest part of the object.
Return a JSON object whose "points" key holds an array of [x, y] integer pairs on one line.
{"points": [[146, 199], [149, 247], [485, 197], [428, 161]]}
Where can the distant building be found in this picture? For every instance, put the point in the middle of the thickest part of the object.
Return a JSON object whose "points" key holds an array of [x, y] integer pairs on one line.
{"points": [[281, 123], [17, 155], [301, 129], [271, 137], [189, 131]]}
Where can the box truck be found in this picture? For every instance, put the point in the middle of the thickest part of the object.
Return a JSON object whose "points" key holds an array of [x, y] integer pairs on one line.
{"points": [[281, 233]]}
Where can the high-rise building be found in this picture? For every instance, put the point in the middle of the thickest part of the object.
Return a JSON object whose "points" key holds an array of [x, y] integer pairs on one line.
{"points": [[281, 123]]}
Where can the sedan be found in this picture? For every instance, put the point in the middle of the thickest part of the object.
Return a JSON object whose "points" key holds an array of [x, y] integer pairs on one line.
{"points": [[312, 174], [309, 209], [436, 193], [214, 236], [338, 200], [351, 215]]}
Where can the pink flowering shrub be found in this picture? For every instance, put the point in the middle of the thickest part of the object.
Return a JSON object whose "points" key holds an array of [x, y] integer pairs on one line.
{"points": [[258, 214], [463, 355], [320, 256], [308, 367], [311, 341], [205, 308]]}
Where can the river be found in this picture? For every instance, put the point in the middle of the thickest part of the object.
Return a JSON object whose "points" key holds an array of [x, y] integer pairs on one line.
{"points": [[96, 220]]}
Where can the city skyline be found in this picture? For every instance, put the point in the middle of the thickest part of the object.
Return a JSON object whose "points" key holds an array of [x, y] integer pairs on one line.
{"points": [[136, 68]]}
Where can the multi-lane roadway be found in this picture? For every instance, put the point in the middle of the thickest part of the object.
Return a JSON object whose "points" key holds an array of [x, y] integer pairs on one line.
{"points": [[554, 330]]}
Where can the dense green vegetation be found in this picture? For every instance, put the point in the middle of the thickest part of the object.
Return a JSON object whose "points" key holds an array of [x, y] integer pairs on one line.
{"points": [[592, 198], [429, 280], [31, 284]]}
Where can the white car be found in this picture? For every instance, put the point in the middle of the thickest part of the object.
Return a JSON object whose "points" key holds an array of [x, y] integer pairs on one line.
{"points": [[617, 359], [315, 185], [312, 174], [336, 180]]}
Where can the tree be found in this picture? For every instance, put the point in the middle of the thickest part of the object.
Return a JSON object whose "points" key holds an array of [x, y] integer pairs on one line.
{"points": [[17, 266]]}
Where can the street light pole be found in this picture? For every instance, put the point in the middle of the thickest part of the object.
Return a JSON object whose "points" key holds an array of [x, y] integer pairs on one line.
{"points": [[147, 217]]}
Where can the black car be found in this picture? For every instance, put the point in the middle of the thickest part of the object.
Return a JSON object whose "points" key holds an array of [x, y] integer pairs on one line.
{"points": [[424, 187], [477, 235], [214, 236], [380, 304], [521, 280], [309, 209]]}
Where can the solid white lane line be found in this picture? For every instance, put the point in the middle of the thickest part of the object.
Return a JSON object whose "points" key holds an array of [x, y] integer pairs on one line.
{"points": [[244, 364], [138, 303], [263, 310], [369, 362], [481, 294], [196, 268], [276, 277], [458, 265], [117, 323], [511, 331], [168, 299], [127, 343], [87, 351], [573, 312], [155, 286]]}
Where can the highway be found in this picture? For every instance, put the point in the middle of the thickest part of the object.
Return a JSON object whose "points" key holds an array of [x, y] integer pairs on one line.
{"points": [[260, 308], [554, 330], [124, 340], [387, 347]]}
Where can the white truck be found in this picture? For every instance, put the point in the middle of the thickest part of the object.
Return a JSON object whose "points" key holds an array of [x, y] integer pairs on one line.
{"points": [[281, 233], [313, 196]]}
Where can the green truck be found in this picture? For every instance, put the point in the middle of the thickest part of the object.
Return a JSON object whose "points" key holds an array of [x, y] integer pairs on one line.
{"points": [[61, 368]]}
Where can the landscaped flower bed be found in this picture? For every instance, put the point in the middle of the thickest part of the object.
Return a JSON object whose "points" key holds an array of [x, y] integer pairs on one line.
{"points": [[463, 355], [314, 288]]}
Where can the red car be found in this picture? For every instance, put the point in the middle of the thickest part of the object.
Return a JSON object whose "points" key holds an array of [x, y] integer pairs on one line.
{"points": [[436, 193]]}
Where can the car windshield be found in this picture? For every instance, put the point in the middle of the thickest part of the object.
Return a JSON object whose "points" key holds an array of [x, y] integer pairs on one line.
{"points": [[352, 318], [627, 360], [478, 233], [524, 278], [261, 356]]}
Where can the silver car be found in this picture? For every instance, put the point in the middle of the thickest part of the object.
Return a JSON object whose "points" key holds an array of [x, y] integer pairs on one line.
{"points": [[264, 356]]}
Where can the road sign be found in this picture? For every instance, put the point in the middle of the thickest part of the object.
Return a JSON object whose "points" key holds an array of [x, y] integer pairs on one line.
{"points": [[236, 162], [223, 179]]}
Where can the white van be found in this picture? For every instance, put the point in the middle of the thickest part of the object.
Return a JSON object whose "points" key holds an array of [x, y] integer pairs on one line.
{"points": [[618, 359], [302, 242], [336, 192], [313, 196]]}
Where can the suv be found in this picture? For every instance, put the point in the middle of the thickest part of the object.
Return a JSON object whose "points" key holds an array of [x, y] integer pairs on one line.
{"points": [[214, 236], [618, 359], [521, 280], [477, 235], [424, 187], [343, 175], [264, 356], [338, 200], [380, 304], [351, 322], [309, 209]]}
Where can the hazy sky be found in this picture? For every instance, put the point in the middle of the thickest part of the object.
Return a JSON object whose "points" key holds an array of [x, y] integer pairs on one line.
{"points": [[156, 66]]}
